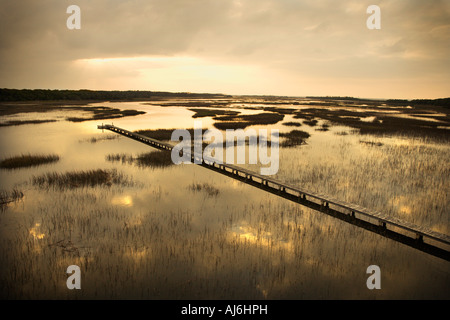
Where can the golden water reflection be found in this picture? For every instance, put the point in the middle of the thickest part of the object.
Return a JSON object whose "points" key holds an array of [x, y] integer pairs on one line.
{"points": [[122, 200], [35, 232]]}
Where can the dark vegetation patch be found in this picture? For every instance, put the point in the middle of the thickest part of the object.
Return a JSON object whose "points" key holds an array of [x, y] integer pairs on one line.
{"points": [[442, 102], [203, 112], [293, 138], [341, 133], [194, 104], [383, 123], [280, 110], [323, 127], [102, 113], [292, 124], [22, 122], [311, 123], [79, 179], [371, 143], [154, 159], [245, 120], [102, 138], [165, 134], [97, 112], [27, 160]]}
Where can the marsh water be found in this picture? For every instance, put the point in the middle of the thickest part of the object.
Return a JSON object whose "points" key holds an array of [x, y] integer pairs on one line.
{"points": [[161, 235]]}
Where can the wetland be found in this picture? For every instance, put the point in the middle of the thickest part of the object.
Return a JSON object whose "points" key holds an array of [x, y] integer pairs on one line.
{"points": [[140, 227]]}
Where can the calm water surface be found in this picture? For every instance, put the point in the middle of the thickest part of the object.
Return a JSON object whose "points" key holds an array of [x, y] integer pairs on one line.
{"points": [[160, 237]]}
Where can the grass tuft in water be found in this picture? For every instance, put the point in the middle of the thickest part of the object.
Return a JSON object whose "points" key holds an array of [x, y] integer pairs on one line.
{"points": [[103, 138], [150, 159], [155, 159], [8, 197], [27, 160], [243, 121], [210, 190], [79, 179], [22, 122], [292, 124], [293, 138], [205, 112]]}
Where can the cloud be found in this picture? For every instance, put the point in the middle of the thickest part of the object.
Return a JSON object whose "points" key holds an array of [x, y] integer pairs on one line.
{"points": [[291, 40]]}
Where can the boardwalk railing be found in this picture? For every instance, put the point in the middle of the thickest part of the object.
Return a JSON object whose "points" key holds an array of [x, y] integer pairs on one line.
{"points": [[418, 237]]}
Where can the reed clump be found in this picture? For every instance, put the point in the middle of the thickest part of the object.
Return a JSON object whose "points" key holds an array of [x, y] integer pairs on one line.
{"points": [[293, 138], [103, 113], [150, 159], [243, 121], [164, 134], [27, 160], [79, 179], [155, 159], [8, 197], [210, 190], [22, 122], [205, 112], [103, 138], [292, 124]]}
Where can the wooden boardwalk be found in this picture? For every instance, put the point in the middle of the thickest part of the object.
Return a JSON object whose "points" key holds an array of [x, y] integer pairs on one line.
{"points": [[418, 237]]}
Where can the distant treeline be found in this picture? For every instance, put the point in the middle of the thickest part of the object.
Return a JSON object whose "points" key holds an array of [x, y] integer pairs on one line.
{"points": [[48, 95], [443, 102], [335, 98]]}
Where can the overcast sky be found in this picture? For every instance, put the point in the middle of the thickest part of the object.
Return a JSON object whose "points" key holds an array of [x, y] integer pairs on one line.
{"points": [[275, 47]]}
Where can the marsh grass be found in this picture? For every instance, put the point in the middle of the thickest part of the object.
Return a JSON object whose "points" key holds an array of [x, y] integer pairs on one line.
{"points": [[250, 249], [102, 138], [27, 160], [245, 120], [383, 123], [22, 122], [324, 127], [292, 124], [293, 138], [407, 181], [155, 159], [122, 157], [97, 112], [164, 134], [242, 244], [280, 110], [209, 189], [80, 179], [310, 122], [150, 159], [101, 113], [8, 197], [371, 143], [205, 112]]}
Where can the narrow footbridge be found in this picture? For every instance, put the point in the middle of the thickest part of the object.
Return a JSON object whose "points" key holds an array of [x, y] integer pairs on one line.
{"points": [[421, 238]]}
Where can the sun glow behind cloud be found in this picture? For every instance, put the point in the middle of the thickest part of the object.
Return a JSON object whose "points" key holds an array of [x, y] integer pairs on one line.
{"points": [[173, 73]]}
